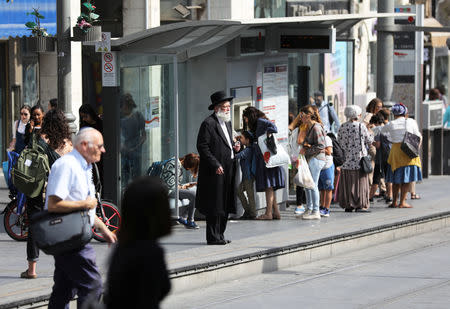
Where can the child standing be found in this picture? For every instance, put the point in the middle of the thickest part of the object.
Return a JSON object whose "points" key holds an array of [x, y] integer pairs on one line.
{"points": [[248, 179], [326, 179]]}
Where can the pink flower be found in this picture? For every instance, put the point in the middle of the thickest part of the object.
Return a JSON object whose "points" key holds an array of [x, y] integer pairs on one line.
{"points": [[83, 24], [93, 7]]}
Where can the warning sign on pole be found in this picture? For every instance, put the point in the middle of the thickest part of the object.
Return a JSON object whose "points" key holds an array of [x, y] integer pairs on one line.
{"points": [[109, 69], [104, 45]]}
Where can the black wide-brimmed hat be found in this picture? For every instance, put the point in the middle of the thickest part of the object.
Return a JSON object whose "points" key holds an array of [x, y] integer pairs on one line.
{"points": [[218, 97]]}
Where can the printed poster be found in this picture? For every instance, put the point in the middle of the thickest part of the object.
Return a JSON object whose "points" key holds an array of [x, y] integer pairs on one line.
{"points": [[336, 79], [275, 98], [152, 117]]}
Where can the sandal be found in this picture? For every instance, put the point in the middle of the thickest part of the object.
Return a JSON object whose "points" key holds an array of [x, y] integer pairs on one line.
{"points": [[415, 196], [264, 217], [26, 275], [276, 217], [393, 206]]}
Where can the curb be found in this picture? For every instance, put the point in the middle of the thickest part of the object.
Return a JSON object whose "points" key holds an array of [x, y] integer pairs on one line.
{"points": [[201, 275], [269, 260]]}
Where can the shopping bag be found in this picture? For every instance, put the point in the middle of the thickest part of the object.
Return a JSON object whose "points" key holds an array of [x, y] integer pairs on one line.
{"points": [[303, 177], [271, 159], [293, 147]]}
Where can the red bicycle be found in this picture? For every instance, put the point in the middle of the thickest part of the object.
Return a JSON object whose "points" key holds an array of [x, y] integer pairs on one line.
{"points": [[16, 221]]}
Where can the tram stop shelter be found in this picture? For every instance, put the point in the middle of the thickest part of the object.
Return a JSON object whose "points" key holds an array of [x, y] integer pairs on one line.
{"points": [[170, 72]]}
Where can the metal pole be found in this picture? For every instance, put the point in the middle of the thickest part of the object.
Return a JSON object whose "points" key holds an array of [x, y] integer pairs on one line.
{"points": [[64, 61], [419, 65], [175, 99], [385, 52]]}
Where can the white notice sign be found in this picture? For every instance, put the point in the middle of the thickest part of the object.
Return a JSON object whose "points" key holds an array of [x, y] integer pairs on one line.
{"points": [[275, 97], [109, 69], [104, 45]]}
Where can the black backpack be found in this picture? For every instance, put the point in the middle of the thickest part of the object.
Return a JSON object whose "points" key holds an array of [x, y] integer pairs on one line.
{"points": [[338, 152]]}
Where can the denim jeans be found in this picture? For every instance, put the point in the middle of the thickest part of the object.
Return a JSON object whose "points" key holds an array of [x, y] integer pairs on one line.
{"points": [[312, 195]]}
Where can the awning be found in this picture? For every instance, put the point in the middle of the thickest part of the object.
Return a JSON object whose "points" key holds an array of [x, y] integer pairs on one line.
{"points": [[437, 39], [191, 39], [13, 16]]}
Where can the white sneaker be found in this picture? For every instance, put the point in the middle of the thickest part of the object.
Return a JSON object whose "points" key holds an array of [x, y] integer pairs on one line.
{"points": [[315, 215], [305, 213]]}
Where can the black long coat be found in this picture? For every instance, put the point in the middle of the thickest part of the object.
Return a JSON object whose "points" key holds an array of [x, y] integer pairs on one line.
{"points": [[215, 193]]}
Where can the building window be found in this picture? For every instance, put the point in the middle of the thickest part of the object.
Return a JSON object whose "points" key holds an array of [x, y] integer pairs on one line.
{"points": [[270, 8]]}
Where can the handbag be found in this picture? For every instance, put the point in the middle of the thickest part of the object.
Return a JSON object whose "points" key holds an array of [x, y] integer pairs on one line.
{"points": [[365, 164], [273, 159], [58, 233], [303, 178], [410, 144]]}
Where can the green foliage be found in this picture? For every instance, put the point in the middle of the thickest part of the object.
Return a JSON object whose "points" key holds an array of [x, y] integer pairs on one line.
{"points": [[35, 26]]}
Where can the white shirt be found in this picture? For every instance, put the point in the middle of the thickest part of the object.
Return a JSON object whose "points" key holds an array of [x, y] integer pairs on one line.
{"points": [[396, 129], [227, 135], [328, 159], [21, 128], [71, 180]]}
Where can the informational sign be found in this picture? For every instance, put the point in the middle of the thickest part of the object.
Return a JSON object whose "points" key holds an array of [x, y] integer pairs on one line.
{"points": [[152, 117], [275, 97], [336, 79], [104, 46], [405, 60], [109, 69]]}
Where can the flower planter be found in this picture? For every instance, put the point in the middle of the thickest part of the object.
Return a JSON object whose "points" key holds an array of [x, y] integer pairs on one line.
{"points": [[93, 34], [41, 44]]}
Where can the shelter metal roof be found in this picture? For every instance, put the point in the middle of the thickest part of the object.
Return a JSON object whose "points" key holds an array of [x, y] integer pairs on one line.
{"points": [[191, 39]]}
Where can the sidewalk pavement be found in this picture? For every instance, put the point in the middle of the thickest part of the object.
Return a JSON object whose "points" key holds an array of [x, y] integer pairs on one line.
{"points": [[186, 249]]}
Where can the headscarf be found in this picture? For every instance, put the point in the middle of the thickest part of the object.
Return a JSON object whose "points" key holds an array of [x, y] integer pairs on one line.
{"points": [[399, 109], [352, 111]]}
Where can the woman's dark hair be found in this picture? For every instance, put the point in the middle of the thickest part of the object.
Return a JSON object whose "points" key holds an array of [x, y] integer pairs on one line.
{"points": [[55, 127], [27, 107], [252, 114], [35, 107], [145, 211], [313, 111], [376, 119], [248, 136], [191, 161], [127, 100], [89, 110], [434, 94], [384, 112], [370, 108], [53, 103]]}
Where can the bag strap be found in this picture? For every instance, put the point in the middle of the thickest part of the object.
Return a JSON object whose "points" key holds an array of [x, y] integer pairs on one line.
{"points": [[360, 139]]}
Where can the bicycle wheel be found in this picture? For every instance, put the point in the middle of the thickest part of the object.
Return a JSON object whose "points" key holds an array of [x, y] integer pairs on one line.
{"points": [[112, 220], [16, 225]]}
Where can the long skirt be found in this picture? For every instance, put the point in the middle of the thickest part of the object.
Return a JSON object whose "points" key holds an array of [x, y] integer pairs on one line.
{"points": [[353, 191]]}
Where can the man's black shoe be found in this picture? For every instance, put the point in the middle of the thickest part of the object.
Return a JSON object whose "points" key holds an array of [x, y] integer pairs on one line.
{"points": [[217, 242]]}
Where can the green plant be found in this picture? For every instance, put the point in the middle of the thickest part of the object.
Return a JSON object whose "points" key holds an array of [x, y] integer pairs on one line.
{"points": [[35, 26], [88, 17]]}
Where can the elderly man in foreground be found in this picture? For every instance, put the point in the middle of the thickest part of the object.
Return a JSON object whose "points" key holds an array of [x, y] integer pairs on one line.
{"points": [[70, 188]]}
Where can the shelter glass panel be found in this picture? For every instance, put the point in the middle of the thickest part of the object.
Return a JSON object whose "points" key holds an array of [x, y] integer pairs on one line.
{"points": [[147, 114]]}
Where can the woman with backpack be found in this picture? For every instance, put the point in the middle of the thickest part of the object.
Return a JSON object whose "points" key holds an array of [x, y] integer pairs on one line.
{"points": [[53, 139], [18, 142]]}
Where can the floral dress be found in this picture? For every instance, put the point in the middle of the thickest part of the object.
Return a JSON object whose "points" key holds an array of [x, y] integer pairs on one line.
{"points": [[352, 136]]}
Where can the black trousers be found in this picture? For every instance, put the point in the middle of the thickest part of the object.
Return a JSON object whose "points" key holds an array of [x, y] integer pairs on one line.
{"points": [[34, 205], [215, 227]]}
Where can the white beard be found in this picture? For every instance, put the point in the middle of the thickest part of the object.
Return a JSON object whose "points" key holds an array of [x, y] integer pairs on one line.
{"points": [[224, 116]]}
